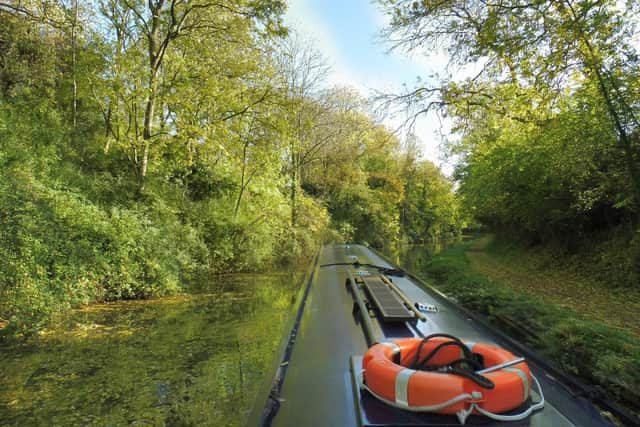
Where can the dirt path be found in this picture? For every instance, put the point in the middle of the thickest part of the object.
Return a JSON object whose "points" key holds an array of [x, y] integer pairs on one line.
{"points": [[617, 308]]}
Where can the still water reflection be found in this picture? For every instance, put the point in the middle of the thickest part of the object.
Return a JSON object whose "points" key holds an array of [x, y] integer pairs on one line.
{"points": [[415, 257], [192, 359]]}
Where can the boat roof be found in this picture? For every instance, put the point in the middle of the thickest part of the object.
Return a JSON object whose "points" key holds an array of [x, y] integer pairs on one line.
{"points": [[324, 356]]}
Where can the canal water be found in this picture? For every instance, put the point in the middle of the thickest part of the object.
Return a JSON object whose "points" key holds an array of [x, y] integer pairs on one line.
{"points": [[196, 359], [415, 257]]}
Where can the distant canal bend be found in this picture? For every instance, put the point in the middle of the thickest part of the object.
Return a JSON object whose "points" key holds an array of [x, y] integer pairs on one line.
{"points": [[415, 257], [192, 359]]}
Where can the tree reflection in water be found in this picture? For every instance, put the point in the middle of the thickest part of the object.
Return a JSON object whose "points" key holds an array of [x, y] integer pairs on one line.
{"points": [[192, 359]]}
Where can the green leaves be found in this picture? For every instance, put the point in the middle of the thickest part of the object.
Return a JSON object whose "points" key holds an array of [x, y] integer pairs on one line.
{"points": [[543, 171], [548, 126], [142, 143]]}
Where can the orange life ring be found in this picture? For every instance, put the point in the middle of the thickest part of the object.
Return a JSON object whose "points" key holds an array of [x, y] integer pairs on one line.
{"points": [[387, 376]]}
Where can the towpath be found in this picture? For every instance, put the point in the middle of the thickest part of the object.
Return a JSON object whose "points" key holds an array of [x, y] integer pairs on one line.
{"points": [[616, 307]]}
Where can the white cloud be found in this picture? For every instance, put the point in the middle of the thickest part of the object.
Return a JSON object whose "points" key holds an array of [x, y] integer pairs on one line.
{"points": [[301, 18]]}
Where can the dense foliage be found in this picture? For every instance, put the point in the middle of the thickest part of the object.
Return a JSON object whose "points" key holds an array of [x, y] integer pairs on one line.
{"points": [[548, 130], [142, 143]]}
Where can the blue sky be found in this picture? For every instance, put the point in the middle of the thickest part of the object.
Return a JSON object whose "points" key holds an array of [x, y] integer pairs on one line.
{"points": [[348, 34]]}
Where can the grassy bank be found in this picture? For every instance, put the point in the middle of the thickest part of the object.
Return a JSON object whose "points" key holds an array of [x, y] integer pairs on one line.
{"points": [[567, 282], [522, 303]]}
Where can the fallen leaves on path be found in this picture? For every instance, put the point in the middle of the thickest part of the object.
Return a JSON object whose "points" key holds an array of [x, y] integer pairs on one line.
{"points": [[616, 307]]}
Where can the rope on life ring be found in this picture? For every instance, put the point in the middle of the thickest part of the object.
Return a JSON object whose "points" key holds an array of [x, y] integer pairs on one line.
{"points": [[471, 398]]}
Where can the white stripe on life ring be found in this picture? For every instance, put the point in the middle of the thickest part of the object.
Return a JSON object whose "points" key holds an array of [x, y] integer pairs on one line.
{"points": [[523, 377], [402, 386], [393, 346]]}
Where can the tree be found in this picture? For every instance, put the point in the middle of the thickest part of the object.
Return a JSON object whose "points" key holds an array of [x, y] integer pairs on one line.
{"points": [[541, 44], [304, 70], [148, 33], [548, 175]]}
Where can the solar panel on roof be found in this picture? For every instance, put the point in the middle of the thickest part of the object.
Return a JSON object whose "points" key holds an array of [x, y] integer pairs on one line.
{"points": [[388, 304]]}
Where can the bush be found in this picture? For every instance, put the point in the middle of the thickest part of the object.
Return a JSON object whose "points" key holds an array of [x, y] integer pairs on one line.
{"points": [[58, 250]]}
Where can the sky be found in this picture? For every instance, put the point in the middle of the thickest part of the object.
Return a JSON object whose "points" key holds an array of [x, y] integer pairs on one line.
{"points": [[347, 33]]}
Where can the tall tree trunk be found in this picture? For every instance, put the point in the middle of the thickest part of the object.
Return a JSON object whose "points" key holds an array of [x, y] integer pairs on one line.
{"points": [[149, 111], [295, 183], [74, 48], [243, 182], [594, 63], [623, 138], [146, 133]]}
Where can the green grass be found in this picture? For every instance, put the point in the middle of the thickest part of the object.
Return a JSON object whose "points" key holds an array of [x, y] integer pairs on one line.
{"points": [[565, 281], [596, 352]]}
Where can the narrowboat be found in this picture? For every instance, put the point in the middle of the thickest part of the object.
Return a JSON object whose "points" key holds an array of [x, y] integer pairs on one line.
{"points": [[373, 345]]}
